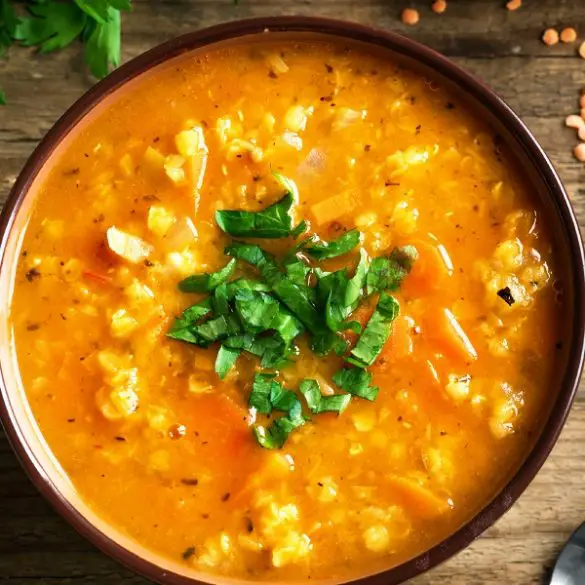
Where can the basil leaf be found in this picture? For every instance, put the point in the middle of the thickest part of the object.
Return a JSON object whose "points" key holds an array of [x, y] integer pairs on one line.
{"points": [[297, 272], [318, 403], [324, 343], [257, 257], [321, 250], [388, 273], [261, 392], [216, 329], [357, 382], [301, 301], [272, 351], [245, 284], [220, 300], [376, 332], [282, 399], [182, 325], [256, 310], [206, 282], [353, 292], [276, 434], [273, 222], [344, 294], [225, 360], [288, 185]]}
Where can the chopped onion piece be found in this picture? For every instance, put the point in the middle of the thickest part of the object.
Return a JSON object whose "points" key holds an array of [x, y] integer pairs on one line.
{"points": [[131, 248]]}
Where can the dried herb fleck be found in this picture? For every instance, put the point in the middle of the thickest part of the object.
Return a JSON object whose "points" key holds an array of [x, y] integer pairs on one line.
{"points": [[188, 553], [506, 295]]}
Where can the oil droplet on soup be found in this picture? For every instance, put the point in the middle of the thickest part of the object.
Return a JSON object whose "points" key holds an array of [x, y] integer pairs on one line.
{"points": [[164, 449]]}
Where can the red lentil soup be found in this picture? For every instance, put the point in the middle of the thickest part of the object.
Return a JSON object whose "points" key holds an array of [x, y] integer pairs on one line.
{"points": [[380, 370]]}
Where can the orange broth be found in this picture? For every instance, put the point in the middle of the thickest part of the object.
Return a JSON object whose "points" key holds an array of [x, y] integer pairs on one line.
{"points": [[163, 449]]}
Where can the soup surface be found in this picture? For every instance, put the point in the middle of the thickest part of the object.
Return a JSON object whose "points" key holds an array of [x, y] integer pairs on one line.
{"points": [[225, 474]]}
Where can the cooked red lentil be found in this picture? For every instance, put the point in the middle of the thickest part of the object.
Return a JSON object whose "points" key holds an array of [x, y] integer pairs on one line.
{"points": [[150, 435]]}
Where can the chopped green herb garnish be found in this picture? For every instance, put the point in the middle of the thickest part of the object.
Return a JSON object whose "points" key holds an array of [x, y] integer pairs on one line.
{"points": [[376, 332], [346, 243], [388, 273], [273, 222], [318, 403], [356, 381], [276, 434], [225, 360], [257, 257], [290, 295], [182, 326], [206, 282], [343, 295], [261, 392]]}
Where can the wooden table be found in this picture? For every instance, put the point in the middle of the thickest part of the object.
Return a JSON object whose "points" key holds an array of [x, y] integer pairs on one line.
{"points": [[503, 48]]}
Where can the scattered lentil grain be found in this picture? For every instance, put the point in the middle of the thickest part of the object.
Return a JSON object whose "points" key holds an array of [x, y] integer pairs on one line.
{"points": [[513, 4], [439, 6], [579, 152], [568, 35], [574, 121], [550, 37], [410, 16], [581, 133], [582, 113], [582, 50], [582, 101]]}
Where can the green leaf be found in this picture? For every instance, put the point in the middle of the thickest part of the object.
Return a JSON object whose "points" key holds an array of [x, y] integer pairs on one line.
{"points": [[206, 282], [274, 437], [261, 392], [376, 332], [256, 310], [357, 382], [273, 222], [256, 256], [245, 284], [54, 25], [282, 399], [225, 360], [388, 273], [298, 272], [288, 185], [8, 25], [318, 403], [221, 298], [300, 300], [321, 250], [102, 47], [181, 329], [353, 292], [2, 98], [98, 9], [324, 343], [216, 329], [344, 294]]}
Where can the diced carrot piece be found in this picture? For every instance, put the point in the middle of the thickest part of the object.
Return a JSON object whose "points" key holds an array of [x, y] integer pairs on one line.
{"points": [[447, 334], [430, 270], [334, 207], [418, 498], [400, 343]]}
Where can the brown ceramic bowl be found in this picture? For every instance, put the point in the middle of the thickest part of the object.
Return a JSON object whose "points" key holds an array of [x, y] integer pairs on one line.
{"points": [[15, 414]]}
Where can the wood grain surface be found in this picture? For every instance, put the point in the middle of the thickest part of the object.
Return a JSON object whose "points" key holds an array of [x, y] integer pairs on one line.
{"points": [[542, 84]]}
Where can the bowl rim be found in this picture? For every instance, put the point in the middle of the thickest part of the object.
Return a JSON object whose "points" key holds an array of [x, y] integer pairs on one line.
{"points": [[446, 68]]}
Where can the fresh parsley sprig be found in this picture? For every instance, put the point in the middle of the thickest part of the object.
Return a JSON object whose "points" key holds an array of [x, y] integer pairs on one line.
{"points": [[52, 24]]}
